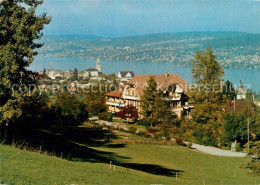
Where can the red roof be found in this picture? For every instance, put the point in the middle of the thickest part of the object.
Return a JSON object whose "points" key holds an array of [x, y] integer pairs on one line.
{"points": [[163, 81], [116, 93]]}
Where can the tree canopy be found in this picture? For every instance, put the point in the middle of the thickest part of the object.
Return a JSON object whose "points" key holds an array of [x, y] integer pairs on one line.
{"points": [[20, 28]]}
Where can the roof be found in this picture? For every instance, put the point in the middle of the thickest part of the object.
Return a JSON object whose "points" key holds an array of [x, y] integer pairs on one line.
{"points": [[163, 81], [241, 106], [241, 90], [67, 74], [124, 73], [91, 69], [117, 93]]}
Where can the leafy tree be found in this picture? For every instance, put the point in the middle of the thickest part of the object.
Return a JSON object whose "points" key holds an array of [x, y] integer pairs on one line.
{"points": [[208, 98], [112, 77], [19, 28], [207, 73], [128, 113], [94, 99], [69, 110], [235, 128]]}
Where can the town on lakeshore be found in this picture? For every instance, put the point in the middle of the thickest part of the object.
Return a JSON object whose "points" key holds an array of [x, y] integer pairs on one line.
{"points": [[129, 92]]}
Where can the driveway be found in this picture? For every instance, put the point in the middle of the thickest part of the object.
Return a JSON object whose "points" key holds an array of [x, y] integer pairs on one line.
{"points": [[217, 151]]}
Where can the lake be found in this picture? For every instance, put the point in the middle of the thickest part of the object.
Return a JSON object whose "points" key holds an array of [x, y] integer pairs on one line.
{"points": [[248, 77]]}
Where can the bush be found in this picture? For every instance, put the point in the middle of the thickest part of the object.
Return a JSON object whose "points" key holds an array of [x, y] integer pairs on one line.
{"points": [[144, 122], [179, 141], [189, 145], [238, 147], [132, 130], [107, 116], [204, 137], [254, 164]]}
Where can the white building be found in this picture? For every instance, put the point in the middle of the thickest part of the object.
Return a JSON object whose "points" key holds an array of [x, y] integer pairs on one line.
{"points": [[125, 75], [91, 72]]}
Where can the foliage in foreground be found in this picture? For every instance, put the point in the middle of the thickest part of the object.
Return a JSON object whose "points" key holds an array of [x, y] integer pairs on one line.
{"points": [[254, 164]]}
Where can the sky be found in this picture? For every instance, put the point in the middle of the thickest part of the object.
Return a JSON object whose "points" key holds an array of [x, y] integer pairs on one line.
{"points": [[118, 18]]}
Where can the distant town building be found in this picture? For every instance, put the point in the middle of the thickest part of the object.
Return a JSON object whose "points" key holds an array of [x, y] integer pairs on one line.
{"points": [[98, 65], [173, 86], [125, 76], [241, 91], [68, 74], [92, 72]]}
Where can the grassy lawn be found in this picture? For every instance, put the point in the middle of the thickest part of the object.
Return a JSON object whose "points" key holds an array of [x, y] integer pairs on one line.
{"points": [[136, 164]]}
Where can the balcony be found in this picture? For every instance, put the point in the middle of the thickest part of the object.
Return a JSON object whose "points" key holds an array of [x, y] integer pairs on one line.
{"points": [[131, 98], [115, 104], [173, 99]]}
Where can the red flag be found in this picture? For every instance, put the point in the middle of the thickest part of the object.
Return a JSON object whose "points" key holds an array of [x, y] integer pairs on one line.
{"points": [[232, 102]]}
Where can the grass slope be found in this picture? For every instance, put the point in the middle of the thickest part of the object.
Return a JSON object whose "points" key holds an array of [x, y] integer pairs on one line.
{"points": [[23, 167]]}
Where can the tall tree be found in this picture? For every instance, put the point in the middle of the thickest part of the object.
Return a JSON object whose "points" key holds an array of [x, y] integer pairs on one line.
{"points": [[209, 99], [153, 106], [207, 73], [20, 27], [75, 74], [229, 90]]}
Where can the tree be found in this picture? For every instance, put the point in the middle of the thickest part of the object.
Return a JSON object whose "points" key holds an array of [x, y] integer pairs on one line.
{"points": [[249, 95], [208, 98], [235, 128], [207, 73], [69, 109], [44, 71], [19, 28], [228, 90], [154, 108], [75, 74], [128, 113], [254, 164]]}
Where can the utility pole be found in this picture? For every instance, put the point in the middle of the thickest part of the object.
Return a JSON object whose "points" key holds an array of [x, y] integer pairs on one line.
{"points": [[248, 145]]}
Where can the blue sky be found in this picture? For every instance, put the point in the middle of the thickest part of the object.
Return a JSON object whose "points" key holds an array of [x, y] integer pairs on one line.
{"points": [[113, 18]]}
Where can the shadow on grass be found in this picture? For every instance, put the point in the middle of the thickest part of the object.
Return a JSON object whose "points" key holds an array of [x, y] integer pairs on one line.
{"points": [[75, 144]]}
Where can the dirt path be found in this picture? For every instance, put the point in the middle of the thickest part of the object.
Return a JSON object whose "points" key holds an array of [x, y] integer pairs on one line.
{"points": [[217, 151]]}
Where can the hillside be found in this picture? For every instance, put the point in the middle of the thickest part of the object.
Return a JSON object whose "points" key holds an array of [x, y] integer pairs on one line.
{"points": [[140, 164], [233, 49]]}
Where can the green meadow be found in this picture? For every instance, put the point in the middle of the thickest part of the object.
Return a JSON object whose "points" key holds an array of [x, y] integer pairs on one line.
{"points": [[131, 164]]}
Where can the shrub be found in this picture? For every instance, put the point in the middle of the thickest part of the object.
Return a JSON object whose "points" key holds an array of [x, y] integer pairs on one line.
{"points": [[189, 145], [179, 141], [238, 147], [107, 116], [254, 164], [132, 130]]}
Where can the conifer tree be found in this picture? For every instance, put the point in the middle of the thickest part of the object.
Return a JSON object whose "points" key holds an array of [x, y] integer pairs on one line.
{"points": [[154, 108]]}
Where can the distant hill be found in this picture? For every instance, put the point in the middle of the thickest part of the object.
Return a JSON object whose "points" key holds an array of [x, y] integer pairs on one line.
{"points": [[233, 49], [73, 36]]}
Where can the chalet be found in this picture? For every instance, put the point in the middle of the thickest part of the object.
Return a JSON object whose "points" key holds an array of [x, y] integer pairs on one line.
{"points": [[172, 85]]}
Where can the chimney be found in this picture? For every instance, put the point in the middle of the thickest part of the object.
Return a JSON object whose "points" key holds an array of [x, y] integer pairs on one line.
{"points": [[166, 74]]}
